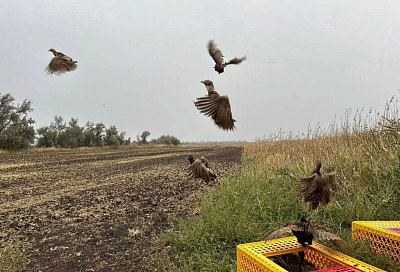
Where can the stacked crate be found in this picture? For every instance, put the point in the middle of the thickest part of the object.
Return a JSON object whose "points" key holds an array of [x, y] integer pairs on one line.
{"points": [[384, 236]]}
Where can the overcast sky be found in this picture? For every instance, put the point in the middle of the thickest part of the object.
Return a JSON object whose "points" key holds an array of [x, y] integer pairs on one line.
{"points": [[306, 61]]}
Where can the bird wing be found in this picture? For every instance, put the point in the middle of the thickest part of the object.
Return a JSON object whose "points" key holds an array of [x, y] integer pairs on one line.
{"points": [[198, 170], [62, 55], [326, 182], [308, 186], [321, 234], [235, 61], [330, 177], [215, 53], [286, 229], [205, 161], [59, 65], [218, 108]]}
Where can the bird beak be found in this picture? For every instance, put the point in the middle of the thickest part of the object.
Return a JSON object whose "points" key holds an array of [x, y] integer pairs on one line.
{"points": [[202, 82]]}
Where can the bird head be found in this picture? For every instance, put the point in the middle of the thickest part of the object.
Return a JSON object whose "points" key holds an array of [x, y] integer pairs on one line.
{"points": [[190, 158], [209, 85], [207, 82], [318, 166], [52, 50]]}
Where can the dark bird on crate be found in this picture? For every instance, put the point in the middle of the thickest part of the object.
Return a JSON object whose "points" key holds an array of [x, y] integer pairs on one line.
{"points": [[200, 168], [216, 106], [60, 64], [306, 233], [293, 262], [316, 188], [218, 57]]}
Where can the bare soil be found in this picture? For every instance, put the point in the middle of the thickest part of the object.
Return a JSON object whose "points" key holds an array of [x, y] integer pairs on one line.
{"points": [[97, 210]]}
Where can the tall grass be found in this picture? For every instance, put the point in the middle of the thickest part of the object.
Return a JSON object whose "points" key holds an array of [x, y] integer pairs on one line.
{"points": [[363, 150]]}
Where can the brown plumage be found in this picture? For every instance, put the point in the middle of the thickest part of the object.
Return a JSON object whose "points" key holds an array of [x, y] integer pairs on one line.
{"points": [[60, 64], [199, 168], [306, 233], [216, 106], [293, 262], [218, 58], [316, 187]]}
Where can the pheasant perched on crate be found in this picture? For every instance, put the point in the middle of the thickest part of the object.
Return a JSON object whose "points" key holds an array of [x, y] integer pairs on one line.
{"points": [[216, 106], [316, 187], [199, 168], [218, 57], [306, 233], [60, 64]]}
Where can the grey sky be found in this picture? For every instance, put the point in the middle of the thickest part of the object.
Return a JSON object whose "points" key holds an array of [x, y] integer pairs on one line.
{"points": [[306, 61]]}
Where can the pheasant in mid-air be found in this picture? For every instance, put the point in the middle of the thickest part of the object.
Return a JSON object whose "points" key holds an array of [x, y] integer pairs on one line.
{"points": [[316, 187], [216, 106], [218, 57], [306, 233], [60, 64], [199, 168]]}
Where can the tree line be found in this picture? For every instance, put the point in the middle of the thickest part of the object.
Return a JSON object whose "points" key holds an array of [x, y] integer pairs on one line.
{"points": [[17, 130]]}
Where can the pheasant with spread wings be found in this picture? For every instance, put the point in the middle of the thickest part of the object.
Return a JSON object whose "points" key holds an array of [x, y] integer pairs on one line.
{"points": [[60, 64], [216, 106], [316, 188], [306, 233], [218, 58], [200, 168]]}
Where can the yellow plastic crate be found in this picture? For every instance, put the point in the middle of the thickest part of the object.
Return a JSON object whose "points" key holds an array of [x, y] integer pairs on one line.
{"points": [[382, 239], [253, 257]]}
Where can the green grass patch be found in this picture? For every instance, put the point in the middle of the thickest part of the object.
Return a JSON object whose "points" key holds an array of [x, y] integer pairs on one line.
{"points": [[12, 259]]}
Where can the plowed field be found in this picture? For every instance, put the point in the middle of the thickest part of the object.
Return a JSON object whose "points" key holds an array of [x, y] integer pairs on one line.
{"points": [[96, 210]]}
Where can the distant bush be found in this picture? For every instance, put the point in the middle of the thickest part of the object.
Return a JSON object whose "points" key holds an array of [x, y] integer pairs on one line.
{"points": [[71, 135], [166, 139]]}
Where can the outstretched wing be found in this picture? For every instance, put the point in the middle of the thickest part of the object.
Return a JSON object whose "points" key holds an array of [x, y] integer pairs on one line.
{"points": [[215, 53], [280, 232], [205, 161], [321, 234], [218, 108], [330, 177], [327, 180], [308, 186], [198, 170], [235, 61], [59, 65]]}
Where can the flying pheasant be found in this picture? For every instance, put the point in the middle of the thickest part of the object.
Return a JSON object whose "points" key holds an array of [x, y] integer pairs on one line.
{"points": [[306, 233], [316, 187], [60, 64], [199, 168], [218, 57], [216, 106]]}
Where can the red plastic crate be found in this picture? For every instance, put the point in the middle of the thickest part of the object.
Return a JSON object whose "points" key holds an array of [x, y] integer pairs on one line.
{"points": [[342, 268]]}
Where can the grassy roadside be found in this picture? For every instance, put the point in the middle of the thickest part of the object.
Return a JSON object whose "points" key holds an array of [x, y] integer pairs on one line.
{"points": [[265, 195]]}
